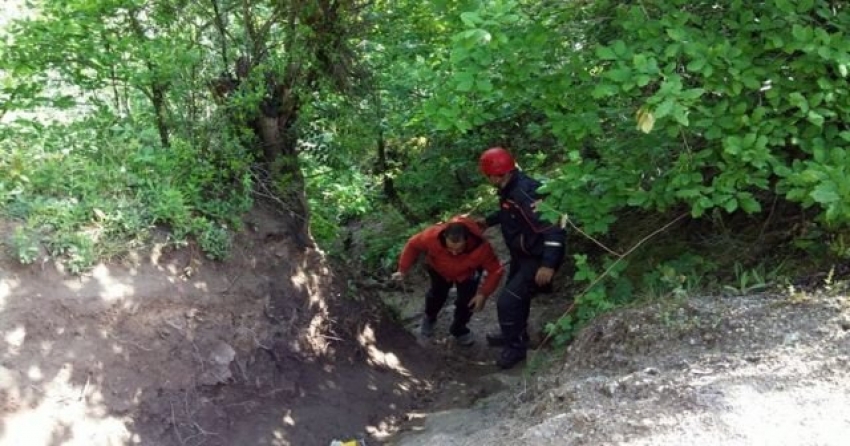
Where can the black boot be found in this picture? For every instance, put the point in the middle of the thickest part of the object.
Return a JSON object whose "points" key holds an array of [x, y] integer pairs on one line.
{"points": [[497, 339], [510, 357]]}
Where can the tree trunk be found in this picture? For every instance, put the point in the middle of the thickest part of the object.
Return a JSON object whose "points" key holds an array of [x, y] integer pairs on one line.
{"points": [[158, 89], [158, 100], [279, 151], [389, 186]]}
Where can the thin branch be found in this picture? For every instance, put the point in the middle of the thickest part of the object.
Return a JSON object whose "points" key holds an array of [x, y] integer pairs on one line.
{"points": [[219, 22], [250, 31], [607, 271], [267, 193]]}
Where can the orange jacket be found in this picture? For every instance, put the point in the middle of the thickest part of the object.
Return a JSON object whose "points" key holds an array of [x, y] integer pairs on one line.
{"points": [[478, 254]]}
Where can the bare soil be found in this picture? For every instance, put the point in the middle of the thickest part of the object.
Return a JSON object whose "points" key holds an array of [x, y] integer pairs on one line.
{"points": [[167, 348], [768, 369]]}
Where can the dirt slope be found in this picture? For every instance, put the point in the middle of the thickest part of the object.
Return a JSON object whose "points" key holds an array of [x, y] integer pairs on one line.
{"points": [[169, 349], [735, 370]]}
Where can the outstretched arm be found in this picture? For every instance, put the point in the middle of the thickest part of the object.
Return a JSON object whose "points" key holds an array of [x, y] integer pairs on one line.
{"points": [[409, 254]]}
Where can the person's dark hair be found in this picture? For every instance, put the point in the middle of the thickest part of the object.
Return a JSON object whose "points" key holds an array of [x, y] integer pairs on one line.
{"points": [[455, 232]]}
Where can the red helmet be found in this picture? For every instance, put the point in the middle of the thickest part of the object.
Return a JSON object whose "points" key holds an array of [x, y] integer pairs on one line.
{"points": [[496, 161]]}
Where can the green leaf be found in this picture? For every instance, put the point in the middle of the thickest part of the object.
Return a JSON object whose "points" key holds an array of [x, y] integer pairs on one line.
{"points": [[470, 19], [815, 118], [484, 85], [696, 65], [688, 193], [784, 6], [639, 61], [749, 204], [713, 133], [802, 34], [605, 53], [680, 114], [825, 193], [751, 82], [622, 74], [620, 49], [777, 41], [805, 6], [464, 81], [748, 140], [693, 93], [604, 90], [664, 108], [732, 145], [676, 34]]}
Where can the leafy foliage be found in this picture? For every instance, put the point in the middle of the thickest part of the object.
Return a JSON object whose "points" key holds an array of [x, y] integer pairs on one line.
{"points": [[94, 200], [726, 110], [739, 106]]}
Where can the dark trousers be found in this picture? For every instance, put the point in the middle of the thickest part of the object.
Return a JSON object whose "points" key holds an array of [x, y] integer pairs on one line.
{"points": [[514, 301], [439, 292]]}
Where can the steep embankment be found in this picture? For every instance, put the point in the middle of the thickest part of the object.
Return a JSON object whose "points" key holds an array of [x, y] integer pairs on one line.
{"points": [[165, 348], [771, 369]]}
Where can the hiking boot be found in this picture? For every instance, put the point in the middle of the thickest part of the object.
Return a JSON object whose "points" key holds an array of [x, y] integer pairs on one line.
{"points": [[497, 339], [510, 357], [426, 330], [465, 340]]}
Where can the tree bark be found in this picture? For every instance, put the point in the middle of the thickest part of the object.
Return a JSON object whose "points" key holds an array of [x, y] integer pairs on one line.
{"points": [[158, 89], [159, 107]]}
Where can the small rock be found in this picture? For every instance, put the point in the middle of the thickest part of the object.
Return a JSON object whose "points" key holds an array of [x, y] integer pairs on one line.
{"points": [[610, 388], [222, 353], [791, 338]]}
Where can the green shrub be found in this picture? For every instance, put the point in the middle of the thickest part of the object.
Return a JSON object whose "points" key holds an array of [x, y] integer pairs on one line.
{"points": [[75, 250], [24, 246], [214, 240]]}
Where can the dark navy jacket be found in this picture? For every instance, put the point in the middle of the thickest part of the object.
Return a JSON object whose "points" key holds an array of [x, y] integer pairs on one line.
{"points": [[525, 233]]}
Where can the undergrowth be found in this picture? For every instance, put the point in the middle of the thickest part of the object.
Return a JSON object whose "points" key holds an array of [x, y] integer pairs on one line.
{"points": [[92, 190]]}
